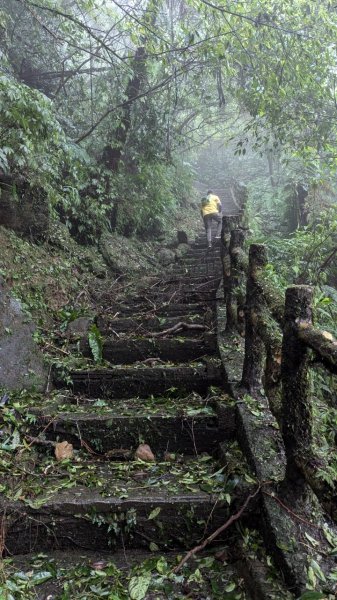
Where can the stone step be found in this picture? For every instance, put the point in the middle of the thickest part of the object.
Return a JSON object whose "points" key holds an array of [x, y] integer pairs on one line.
{"points": [[180, 425], [72, 574], [197, 253], [123, 382], [179, 288], [203, 245], [141, 327], [212, 270], [176, 306], [200, 267], [100, 505], [150, 309], [189, 281], [127, 351], [207, 269], [201, 255], [171, 293]]}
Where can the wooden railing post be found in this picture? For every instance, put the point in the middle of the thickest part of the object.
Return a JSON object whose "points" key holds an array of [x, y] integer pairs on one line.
{"points": [[296, 403], [254, 347], [235, 300], [228, 222]]}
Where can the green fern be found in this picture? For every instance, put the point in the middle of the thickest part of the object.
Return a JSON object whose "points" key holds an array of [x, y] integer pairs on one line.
{"points": [[96, 343]]}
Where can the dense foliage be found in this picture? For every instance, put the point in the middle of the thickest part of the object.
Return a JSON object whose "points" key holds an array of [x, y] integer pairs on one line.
{"points": [[128, 93]]}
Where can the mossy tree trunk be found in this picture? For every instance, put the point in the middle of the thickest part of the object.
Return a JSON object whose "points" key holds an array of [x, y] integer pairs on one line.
{"points": [[254, 346], [235, 300], [296, 403]]}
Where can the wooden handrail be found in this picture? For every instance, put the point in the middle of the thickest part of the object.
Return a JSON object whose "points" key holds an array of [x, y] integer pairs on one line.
{"points": [[279, 338], [323, 344], [254, 348]]}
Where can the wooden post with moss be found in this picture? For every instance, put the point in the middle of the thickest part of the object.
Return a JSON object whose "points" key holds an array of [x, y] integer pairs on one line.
{"points": [[296, 403], [228, 222], [235, 299], [254, 347]]}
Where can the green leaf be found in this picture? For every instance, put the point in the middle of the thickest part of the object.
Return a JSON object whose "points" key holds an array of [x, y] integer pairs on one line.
{"points": [[230, 587], [40, 577], [154, 513], [153, 547], [139, 585], [95, 343], [311, 539], [312, 596], [162, 566]]}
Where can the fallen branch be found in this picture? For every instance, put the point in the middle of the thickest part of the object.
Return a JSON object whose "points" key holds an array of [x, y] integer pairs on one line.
{"points": [[50, 345], [215, 534], [152, 361], [49, 443], [179, 327], [37, 440], [291, 512]]}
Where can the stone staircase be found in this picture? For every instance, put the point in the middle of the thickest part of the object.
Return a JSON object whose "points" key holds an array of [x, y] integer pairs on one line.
{"points": [[166, 390]]}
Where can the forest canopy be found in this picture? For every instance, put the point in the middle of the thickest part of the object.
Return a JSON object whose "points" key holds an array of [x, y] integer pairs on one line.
{"points": [[105, 105]]}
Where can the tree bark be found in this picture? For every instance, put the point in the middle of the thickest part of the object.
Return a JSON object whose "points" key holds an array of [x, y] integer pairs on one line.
{"points": [[254, 347], [296, 403]]}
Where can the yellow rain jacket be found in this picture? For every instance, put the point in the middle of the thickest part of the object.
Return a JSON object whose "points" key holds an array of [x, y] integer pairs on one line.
{"points": [[211, 206]]}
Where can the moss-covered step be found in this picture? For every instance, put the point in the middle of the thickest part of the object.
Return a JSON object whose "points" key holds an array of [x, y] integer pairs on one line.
{"points": [[156, 283], [141, 326], [189, 279], [203, 245], [124, 382], [201, 261], [147, 309], [193, 429], [101, 505], [173, 294], [178, 294], [209, 270], [209, 284], [197, 268], [126, 351], [199, 252], [181, 297], [73, 573]]}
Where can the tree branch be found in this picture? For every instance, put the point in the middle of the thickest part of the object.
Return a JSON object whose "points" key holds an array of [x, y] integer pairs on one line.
{"points": [[215, 534], [148, 92], [77, 22], [256, 21], [179, 327]]}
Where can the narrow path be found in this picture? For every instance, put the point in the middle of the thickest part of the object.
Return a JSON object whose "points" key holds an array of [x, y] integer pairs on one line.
{"points": [[163, 386]]}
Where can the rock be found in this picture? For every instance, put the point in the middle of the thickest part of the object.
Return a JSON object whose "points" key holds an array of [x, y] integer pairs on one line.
{"points": [[123, 255], [96, 266], [59, 235], [169, 457], [182, 237], [21, 361], [63, 450], [79, 327], [144, 453], [113, 254], [166, 256], [99, 565], [182, 250], [28, 214]]}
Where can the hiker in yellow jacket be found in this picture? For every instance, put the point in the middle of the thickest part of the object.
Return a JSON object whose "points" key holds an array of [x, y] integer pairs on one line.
{"points": [[211, 211]]}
